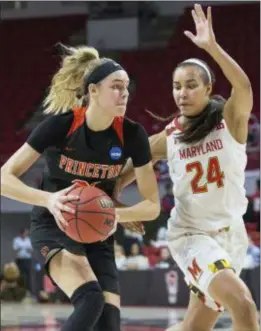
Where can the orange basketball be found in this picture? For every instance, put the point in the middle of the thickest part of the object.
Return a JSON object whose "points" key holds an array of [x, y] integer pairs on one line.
{"points": [[94, 217]]}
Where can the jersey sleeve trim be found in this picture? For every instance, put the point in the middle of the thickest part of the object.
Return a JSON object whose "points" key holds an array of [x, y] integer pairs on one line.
{"points": [[118, 127], [78, 119]]}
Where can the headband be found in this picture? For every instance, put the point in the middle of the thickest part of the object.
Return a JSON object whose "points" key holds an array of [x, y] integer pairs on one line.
{"points": [[100, 73], [200, 64]]}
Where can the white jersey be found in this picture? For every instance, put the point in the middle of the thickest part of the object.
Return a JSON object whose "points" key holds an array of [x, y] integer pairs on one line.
{"points": [[208, 179]]}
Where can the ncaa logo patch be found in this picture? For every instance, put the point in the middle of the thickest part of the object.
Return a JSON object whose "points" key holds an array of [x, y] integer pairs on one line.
{"points": [[115, 153]]}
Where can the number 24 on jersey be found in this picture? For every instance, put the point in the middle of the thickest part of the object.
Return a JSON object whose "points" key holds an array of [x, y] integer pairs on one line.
{"points": [[214, 175]]}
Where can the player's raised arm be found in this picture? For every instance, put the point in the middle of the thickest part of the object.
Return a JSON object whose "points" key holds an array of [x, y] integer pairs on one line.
{"points": [[240, 103]]}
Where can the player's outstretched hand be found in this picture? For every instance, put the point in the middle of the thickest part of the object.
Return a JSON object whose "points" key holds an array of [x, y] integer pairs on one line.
{"points": [[137, 227], [56, 205], [205, 37]]}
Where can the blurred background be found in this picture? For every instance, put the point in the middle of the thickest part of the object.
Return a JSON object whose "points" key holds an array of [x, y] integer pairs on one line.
{"points": [[147, 38]]}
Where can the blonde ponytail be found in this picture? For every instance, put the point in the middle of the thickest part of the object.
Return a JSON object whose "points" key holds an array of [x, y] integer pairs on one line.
{"points": [[68, 80]]}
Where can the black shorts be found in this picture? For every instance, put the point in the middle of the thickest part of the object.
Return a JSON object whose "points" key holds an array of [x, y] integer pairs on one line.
{"points": [[48, 239]]}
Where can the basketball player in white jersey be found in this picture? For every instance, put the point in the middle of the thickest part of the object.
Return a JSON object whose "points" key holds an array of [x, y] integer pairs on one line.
{"points": [[206, 151]]}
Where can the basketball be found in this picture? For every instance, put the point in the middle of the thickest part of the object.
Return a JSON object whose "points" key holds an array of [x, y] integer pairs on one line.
{"points": [[94, 217]]}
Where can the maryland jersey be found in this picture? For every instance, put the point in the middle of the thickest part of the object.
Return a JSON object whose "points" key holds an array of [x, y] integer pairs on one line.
{"points": [[208, 179]]}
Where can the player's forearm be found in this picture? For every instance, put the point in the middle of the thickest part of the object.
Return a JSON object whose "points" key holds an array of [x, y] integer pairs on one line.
{"points": [[231, 69], [13, 188], [128, 175], [126, 179], [146, 210], [118, 204]]}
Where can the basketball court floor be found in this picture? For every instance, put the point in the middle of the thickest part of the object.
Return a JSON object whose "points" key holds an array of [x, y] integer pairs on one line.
{"points": [[35, 317]]}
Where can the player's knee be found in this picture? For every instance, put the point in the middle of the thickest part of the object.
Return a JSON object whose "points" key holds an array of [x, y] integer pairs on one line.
{"points": [[99, 299], [242, 305], [90, 291], [244, 312], [176, 327], [112, 299], [110, 318], [195, 327]]}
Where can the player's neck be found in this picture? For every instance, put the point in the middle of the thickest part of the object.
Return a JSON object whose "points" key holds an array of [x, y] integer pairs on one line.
{"points": [[183, 121], [97, 120]]}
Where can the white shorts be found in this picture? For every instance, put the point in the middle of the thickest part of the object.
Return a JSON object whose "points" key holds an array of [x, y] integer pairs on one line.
{"points": [[201, 255]]}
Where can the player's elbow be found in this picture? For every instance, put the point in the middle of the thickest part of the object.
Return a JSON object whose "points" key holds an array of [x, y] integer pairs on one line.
{"points": [[246, 85], [155, 209], [6, 179], [5, 173], [7, 170]]}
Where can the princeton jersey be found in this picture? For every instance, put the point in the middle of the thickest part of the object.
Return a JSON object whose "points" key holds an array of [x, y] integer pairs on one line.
{"points": [[74, 152], [208, 179]]}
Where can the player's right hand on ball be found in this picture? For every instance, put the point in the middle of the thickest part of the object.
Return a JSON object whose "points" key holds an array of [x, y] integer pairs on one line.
{"points": [[56, 205]]}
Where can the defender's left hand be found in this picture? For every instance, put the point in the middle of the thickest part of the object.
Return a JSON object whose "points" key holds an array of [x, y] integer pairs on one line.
{"points": [[137, 227]]}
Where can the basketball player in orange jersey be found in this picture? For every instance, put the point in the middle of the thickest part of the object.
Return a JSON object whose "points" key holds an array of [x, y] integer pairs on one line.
{"points": [[83, 144], [206, 151]]}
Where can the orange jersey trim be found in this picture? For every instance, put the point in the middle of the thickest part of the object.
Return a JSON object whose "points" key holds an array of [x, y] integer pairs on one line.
{"points": [[79, 118], [118, 127]]}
